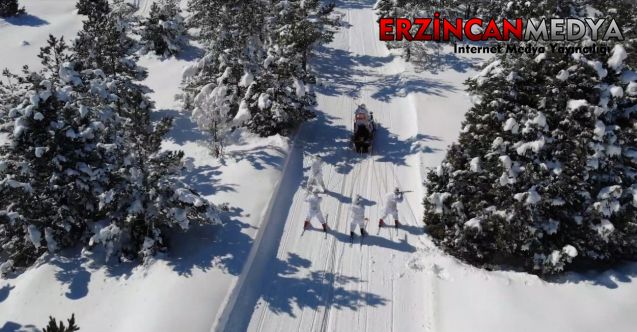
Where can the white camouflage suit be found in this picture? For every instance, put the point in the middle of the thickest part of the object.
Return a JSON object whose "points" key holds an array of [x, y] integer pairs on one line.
{"points": [[391, 205], [314, 208], [357, 216], [316, 174]]}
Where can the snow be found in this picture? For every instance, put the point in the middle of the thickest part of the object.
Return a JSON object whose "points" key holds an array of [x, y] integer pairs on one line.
{"points": [[570, 251], [497, 142], [539, 120], [616, 91], [575, 104], [535, 146], [563, 75], [631, 89], [39, 151], [491, 69], [243, 114], [511, 125], [600, 129], [540, 57], [204, 263], [35, 236], [438, 199], [474, 164], [256, 272], [616, 61], [530, 197], [246, 79], [264, 102], [50, 240], [605, 228], [475, 223], [299, 88]]}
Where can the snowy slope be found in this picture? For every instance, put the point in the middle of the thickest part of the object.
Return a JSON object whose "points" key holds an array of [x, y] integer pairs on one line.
{"points": [[23, 36], [397, 280], [321, 282], [258, 273], [184, 290]]}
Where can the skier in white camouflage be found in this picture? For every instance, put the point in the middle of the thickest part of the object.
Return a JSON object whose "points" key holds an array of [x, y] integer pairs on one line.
{"points": [[316, 174], [314, 210], [357, 217], [391, 207]]}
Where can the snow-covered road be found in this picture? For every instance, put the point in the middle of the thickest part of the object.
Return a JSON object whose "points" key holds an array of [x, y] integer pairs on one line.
{"points": [[320, 282]]}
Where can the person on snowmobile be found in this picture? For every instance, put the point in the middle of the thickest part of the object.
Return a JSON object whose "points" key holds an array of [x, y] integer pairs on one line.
{"points": [[363, 129], [314, 210], [316, 174], [391, 207], [357, 217]]}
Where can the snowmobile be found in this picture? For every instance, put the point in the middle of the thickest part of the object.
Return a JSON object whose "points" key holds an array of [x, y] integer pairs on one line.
{"points": [[364, 130]]}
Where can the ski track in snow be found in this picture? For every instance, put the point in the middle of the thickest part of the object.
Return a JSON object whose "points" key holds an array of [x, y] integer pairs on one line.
{"points": [[321, 282]]}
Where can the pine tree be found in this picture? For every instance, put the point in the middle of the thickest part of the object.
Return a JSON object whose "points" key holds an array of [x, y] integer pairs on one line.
{"points": [[55, 327], [148, 197], [385, 8], [151, 198], [103, 43], [10, 8], [164, 31], [543, 175], [60, 157], [93, 7], [255, 72]]}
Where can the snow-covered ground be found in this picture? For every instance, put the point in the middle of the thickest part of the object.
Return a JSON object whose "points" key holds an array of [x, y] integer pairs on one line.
{"points": [[259, 272], [184, 290]]}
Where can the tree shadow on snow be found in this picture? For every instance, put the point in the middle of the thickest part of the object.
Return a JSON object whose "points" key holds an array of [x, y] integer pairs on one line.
{"points": [[26, 20], [400, 85], [259, 157], [612, 278], [71, 272], [191, 53], [389, 148], [184, 130], [5, 291], [206, 180], [447, 60], [10, 326], [343, 72], [206, 247], [322, 137], [318, 289]]}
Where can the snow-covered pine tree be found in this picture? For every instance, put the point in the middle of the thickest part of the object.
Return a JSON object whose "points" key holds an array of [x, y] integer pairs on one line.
{"points": [[254, 73], [278, 99], [59, 158], [421, 52], [10, 8], [543, 175], [164, 31], [92, 7], [149, 196], [103, 43], [233, 46], [385, 8]]}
